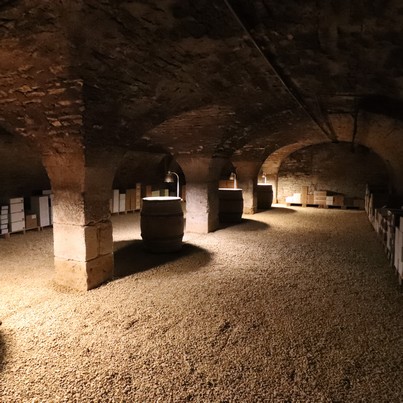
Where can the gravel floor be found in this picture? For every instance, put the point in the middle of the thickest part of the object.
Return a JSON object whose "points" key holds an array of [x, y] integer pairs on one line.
{"points": [[292, 305]]}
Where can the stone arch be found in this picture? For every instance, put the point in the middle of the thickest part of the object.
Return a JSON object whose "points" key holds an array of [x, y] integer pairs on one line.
{"points": [[333, 167], [22, 172], [380, 133]]}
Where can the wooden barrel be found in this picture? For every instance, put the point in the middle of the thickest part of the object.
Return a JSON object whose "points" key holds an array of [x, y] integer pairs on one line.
{"points": [[264, 196], [162, 224], [230, 205]]}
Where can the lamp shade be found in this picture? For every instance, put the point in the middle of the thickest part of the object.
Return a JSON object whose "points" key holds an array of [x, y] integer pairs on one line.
{"points": [[169, 178]]}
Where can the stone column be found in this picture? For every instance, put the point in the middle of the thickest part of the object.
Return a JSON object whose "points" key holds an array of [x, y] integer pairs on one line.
{"points": [[247, 172], [202, 175], [83, 244]]}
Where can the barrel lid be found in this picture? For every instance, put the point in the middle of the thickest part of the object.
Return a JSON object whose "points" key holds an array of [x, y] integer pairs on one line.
{"points": [[161, 198]]}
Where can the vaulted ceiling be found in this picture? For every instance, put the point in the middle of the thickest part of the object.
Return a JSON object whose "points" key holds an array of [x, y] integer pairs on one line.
{"points": [[236, 78]]}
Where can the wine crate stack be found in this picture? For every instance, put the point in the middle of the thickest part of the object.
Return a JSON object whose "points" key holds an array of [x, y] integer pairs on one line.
{"points": [[129, 201], [4, 220], [388, 224], [398, 250], [17, 214], [323, 198], [393, 217], [15, 218]]}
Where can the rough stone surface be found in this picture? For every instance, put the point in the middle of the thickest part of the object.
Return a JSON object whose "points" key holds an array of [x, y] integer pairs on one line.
{"points": [[201, 78], [326, 167], [83, 275]]}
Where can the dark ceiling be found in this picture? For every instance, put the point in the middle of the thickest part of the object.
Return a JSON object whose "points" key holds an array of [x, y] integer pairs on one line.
{"points": [[198, 77]]}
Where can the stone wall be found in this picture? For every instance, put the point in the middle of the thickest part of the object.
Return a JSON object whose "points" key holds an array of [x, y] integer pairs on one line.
{"points": [[331, 167]]}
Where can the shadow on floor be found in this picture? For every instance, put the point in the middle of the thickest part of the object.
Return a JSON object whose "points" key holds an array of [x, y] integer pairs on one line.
{"points": [[278, 210], [131, 257], [246, 225]]}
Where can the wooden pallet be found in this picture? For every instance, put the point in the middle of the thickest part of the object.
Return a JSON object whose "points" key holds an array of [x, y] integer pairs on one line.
{"points": [[23, 231], [323, 206]]}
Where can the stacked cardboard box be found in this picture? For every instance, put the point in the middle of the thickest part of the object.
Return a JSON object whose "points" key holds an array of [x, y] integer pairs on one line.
{"points": [[319, 197], [393, 220], [115, 201], [16, 214], [130, 200], [398, 255], [304, 195], [4, 220], [335, 200], [50, 202], [122, 202], [41, 208], [294, 199], [381, 224], [138, 196], [31, 221]]}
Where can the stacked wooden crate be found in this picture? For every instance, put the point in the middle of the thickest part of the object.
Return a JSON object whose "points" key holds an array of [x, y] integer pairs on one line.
{"points": [[393, 222], [294, 199], [31, 221], [319, 197], [398, 253], [374, 199], [138, 197], [380, 224], [335, 200], [4, 220], [323, 198], [128, 200], [15, 218], [41, 207], [17, 214]]}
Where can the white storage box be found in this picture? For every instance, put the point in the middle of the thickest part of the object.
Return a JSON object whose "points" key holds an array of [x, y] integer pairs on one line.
{"points": [[40, 207], [17, 226], [115, 201], [16, 208], [122, 202], [16, 200], [14, 217]]}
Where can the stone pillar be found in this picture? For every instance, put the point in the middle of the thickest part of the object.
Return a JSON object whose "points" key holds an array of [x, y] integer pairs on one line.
{"points": [[202, 175], [83, 244], [247, 172]]}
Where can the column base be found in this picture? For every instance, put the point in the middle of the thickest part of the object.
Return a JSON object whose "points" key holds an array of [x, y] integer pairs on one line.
{"points": [[249, 210], [200, 224], [83, 276]]}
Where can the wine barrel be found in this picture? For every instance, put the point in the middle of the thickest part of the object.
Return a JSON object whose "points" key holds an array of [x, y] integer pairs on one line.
{"points": [[162, 224], [264, 196], [230, 205]]}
